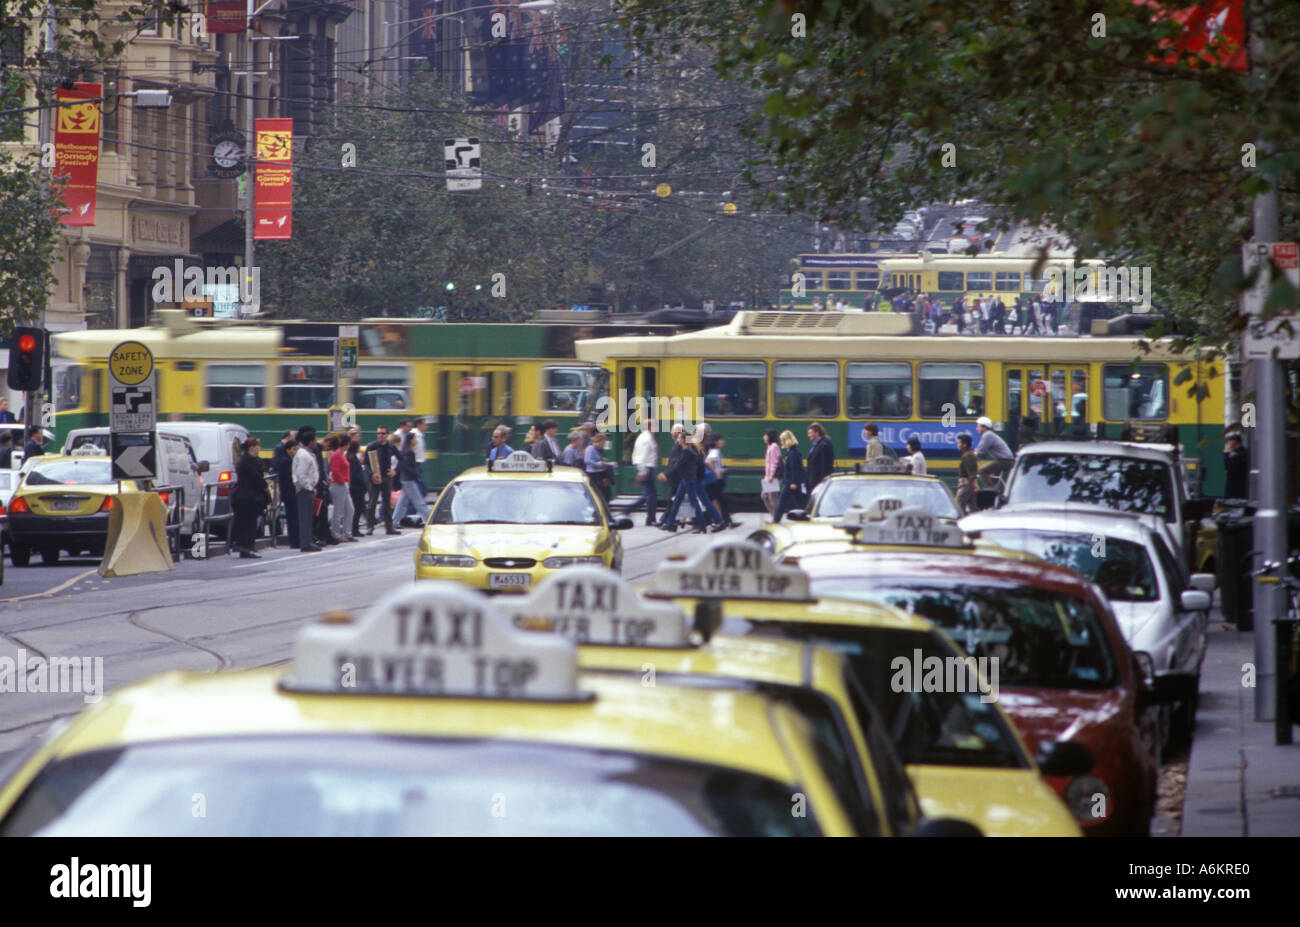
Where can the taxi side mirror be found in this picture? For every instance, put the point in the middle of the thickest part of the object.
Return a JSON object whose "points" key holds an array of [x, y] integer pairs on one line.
{"points": [[204, 466], [1194, 600], [1064, 758], [622, 523], [797, 515], [1204, 582]]}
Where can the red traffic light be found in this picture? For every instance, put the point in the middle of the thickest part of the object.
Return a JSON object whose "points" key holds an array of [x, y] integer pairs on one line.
{"points": [[26, 343]]}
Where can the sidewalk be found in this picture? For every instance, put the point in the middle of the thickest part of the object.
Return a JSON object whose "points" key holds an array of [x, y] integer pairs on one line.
{"points": [[1239, 783]]}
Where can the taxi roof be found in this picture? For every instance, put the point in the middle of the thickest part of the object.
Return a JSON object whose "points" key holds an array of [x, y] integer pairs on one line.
{"points": [[771, 660], [826, 610], [946, 565], [1127, 526], [730, 728], [820, 546], [560, 474]]}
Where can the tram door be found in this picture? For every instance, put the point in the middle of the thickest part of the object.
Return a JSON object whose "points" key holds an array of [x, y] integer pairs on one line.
{"points": [[472, 399], [1046, 401], [633, 380]]}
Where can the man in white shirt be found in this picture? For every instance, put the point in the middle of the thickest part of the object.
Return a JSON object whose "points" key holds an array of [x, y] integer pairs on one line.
{"points": [[421, 426], [645, 457], [305, 476], [992, 444]]}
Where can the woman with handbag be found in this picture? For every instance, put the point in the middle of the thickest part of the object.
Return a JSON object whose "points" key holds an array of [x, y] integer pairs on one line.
{"points": [[249, 500], [792, 480]]}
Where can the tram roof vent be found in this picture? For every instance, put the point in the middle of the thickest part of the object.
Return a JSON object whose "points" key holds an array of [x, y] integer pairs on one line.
{"points": [[825, 323]]}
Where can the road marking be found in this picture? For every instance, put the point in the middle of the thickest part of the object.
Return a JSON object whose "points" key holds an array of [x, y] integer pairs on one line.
{"points": [[59, 588]]}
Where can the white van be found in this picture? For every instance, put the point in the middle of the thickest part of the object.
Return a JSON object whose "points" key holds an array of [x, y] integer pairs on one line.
{"points": [[218, 445], [179, 476]]}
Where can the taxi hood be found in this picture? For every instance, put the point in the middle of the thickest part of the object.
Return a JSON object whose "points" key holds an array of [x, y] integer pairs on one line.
{"points": [[536, 541]]}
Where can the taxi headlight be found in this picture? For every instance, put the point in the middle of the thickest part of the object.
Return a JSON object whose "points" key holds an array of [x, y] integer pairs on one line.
{"points": [[446, 560], [559, 563], [1088, 799]]}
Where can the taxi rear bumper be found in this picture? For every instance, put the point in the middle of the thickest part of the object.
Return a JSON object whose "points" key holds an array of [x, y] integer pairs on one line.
{"points": [[31, 530], [481, 575]]}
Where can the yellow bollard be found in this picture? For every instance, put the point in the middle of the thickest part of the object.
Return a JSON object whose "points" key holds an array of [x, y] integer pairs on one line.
{"points": [[137, 536]]}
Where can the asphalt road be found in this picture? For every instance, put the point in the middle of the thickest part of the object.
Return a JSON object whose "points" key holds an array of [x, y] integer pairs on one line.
{"points": [[214, 614]]}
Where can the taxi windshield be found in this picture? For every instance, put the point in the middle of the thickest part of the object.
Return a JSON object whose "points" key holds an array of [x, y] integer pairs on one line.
{"points": [[1121, 568], [515, 502], [71, 472], [376, 786], [944, 728], [1040, 638], [1122, 483], [834, 496]]}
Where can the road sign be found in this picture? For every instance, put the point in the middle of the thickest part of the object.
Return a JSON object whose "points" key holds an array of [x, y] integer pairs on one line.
{"points": [[1262, 336], [133, 409], [130, 363], [1282, 332], [349, 347], [464, 168], [133, 456]]}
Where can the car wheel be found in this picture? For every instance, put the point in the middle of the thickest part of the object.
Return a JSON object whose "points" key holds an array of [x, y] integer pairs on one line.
{"points": [[49, 555], [20, 554]]}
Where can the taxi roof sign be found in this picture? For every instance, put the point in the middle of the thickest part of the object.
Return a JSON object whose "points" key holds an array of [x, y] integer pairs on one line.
{"points": [[731, 570], [434, 639], [519, 462], [881, 465], [856, 516], [594, 605], [913, 525]]}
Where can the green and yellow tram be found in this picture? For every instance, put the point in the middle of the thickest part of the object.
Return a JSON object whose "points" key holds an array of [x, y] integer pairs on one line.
{"points": [[784, 370], [463, 378]]}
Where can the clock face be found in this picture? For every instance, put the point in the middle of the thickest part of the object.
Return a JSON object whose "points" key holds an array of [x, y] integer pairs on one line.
{"points": [[227, 153]]}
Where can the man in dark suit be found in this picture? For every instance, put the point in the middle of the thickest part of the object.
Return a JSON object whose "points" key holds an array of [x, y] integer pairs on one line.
{"points": [[6, 417], [35, 446], [381, 490], [821, 456], [1236, 465], [548, 447]]}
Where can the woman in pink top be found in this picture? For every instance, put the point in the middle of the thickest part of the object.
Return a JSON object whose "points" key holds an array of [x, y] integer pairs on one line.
{"points": [[340, 489], [771, 461]]}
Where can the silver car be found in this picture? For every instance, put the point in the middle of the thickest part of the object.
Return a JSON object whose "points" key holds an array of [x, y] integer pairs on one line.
{"points": [[1162, 611]]}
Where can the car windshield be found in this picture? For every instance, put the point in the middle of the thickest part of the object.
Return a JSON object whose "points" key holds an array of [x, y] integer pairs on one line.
{"points": [[71, 472], [1123, 483], [375, 786], [515, 502], [1121, 568], [928, 724], [838, 494], [1040, 638], [205, 441]]}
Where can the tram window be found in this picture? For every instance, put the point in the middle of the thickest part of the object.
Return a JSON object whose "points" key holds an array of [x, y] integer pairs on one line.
{"points": [[67, 387], [564, 389], [838, 280], [1007, 280], [980, 281], [879, 390], [235, 386], [868, 279], [812, 279], [733, 388], [960, 386], [1140, 392], [306, 386], [382, 386], [1036, 284], [807, 389], [950, 280]]}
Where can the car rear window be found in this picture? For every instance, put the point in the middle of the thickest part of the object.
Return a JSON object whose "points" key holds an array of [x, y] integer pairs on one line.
{"points": [[362, 785], [1126, 484], [71, 472], [1122, 569]]}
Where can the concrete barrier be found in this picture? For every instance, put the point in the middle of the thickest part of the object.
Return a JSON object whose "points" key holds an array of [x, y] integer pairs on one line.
{"points": [[137, 536]]}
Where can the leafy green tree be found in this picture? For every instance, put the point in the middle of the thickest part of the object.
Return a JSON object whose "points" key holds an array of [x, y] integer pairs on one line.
{"points": [[28, 238]]}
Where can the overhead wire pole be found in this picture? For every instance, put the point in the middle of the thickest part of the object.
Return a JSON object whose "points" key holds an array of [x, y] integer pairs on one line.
{"points": [[1269, 448]]}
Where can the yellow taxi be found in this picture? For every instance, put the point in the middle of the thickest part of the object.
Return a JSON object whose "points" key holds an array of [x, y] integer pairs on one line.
{"points": [[962, 753], [622, 634], [504, 526], [62, 504], [840, 492], [431, 715]]}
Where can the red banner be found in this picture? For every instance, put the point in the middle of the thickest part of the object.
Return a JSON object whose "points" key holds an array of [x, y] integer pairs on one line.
{"points": [[1213, 33], [273, 187], [76, 152], [227, 16]]}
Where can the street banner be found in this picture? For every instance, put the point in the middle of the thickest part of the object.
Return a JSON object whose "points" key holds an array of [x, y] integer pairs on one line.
{"points": [[227, 16], [76, 152], [273, 186]]}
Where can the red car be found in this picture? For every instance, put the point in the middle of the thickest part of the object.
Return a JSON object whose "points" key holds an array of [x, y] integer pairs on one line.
{"points": [[1063, 669]]}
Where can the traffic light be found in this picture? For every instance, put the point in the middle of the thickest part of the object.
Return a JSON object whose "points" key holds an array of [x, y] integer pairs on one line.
{"points": [[27, 359]]}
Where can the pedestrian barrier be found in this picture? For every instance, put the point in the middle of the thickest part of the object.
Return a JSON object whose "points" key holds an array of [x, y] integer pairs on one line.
{"points": [[137, 536]]}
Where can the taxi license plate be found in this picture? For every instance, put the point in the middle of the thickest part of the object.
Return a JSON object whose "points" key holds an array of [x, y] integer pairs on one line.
{"points": [[509, 580], [64, 505]]}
